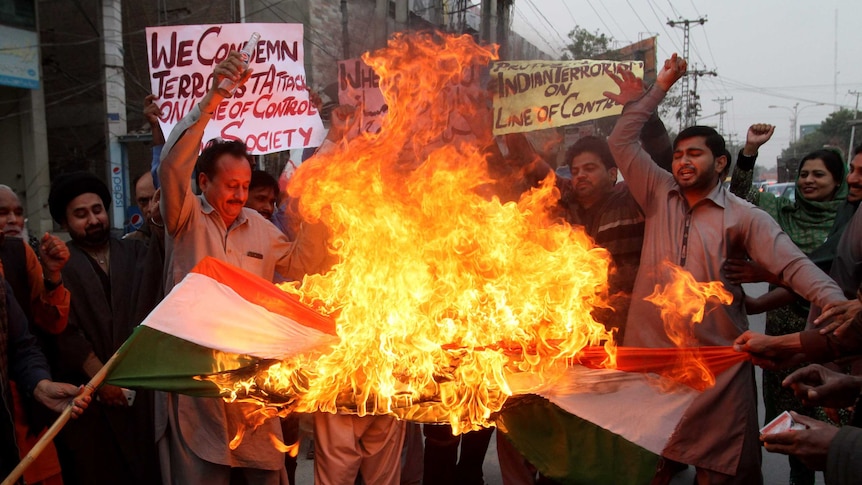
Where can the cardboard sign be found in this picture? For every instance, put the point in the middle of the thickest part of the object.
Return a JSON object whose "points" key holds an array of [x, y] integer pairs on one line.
{"points": [[358, 85], [270, 113], [534, 95]]}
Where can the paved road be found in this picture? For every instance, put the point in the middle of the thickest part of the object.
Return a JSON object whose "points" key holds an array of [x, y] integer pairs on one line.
{"points": [[775, 468]]}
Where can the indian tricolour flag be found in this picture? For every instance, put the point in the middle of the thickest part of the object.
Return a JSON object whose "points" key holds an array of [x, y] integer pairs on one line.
{"points": [[592, 425], [588, 426], [218, 318]]}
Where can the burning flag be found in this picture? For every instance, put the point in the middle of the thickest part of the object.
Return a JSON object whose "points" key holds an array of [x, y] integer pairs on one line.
{"points": [[222, 324], [218, 319], [447, 298]]}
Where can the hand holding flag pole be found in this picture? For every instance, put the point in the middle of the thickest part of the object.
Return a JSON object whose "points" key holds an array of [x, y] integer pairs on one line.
{"points": [[61, 421]]}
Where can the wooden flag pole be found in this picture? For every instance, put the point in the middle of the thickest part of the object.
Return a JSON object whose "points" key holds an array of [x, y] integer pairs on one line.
{"points": [[61, 421]]}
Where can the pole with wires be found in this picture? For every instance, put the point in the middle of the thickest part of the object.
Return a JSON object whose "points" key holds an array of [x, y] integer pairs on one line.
{"points": [[688, 115]]}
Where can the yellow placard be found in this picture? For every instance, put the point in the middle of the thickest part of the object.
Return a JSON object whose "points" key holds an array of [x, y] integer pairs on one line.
{"points": [[534, 95]]}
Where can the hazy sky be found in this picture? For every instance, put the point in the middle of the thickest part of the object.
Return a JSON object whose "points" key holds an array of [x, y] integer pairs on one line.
{"points": [[765, 52]]}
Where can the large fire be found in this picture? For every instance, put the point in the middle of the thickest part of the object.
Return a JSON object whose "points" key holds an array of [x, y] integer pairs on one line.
{"points": [[437, 279]]}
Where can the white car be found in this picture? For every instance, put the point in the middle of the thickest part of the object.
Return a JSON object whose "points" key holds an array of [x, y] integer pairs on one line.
{"points": [[784, 189]]}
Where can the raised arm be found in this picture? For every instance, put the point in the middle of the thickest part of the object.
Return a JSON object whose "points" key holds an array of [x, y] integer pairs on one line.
{"points": [[743, 174], [633, 161], [654, 136], [152, 114], [181, 150]]}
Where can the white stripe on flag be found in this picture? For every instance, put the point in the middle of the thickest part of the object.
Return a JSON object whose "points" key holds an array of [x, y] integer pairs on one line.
{"points": [[202, 310], [630, 404]]}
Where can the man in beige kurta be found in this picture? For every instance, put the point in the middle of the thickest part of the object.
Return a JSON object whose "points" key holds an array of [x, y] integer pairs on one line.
{"points": [[195, 433], [694, 222]]}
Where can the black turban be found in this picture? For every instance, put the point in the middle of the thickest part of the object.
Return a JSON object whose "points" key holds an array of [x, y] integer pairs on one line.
{"points": [[70, 185]]}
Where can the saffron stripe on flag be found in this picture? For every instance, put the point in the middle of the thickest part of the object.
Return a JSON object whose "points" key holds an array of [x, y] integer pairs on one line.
{"points": [[210, 307], [218, 318]]}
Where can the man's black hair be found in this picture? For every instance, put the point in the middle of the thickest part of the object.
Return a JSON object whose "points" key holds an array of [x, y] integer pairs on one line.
{"points": [[259, 178], [713, 140], [591, 144], [214, 150]]}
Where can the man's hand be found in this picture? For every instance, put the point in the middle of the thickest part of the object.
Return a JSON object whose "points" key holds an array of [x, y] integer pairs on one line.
{"points": [[816, 385], [57, 395], [770, 352], [152, 113], [315, 99], [740, 271], [631, 87], [54, 254], [758, 134], [838, 315], [233, 68], [151, 110], [810, 446], [112, 396], [674, 68], [341, 122]]}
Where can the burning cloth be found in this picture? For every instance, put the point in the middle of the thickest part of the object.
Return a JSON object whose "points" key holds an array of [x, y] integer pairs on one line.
{"points": [[454, 287]]}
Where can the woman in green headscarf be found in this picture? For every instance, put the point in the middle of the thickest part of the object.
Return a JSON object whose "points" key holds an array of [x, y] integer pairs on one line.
{"points": [[814, 220]]}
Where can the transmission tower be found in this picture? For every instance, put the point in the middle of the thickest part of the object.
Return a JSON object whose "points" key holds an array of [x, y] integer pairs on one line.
{"points": [[688, 115], [721, 111]]}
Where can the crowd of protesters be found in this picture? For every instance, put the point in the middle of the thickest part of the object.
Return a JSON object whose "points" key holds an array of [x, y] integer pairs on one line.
{"points": [[65, 308]]}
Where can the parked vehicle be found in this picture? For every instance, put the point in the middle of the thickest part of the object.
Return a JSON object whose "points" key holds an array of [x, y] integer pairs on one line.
{"points": [[784, 189]]}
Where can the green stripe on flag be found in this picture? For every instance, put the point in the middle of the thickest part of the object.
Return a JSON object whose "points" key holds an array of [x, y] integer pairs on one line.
{"points": [[151, 359], [571, 450]]}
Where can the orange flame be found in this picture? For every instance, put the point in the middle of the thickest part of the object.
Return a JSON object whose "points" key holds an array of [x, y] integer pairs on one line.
{"points": [[441, 293], [291, 450], [427, 260], [682, 304]]}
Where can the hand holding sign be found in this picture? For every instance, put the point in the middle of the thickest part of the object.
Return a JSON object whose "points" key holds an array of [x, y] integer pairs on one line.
{"points": [[270, 112], [631, 87], [343, 118], [674, 68]]}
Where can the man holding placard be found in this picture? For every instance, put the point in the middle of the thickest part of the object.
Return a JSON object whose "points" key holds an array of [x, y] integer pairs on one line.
{"points": [[196, 433]]}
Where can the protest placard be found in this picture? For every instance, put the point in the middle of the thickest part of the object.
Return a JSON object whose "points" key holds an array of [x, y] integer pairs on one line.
{"points": [[534, 95], [358, 85], [270, 113]]}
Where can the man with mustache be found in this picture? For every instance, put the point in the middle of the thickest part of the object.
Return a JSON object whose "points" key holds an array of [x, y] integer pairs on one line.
{"points": [[693, 222], [108, 282], [194, 446], [38, 287]]}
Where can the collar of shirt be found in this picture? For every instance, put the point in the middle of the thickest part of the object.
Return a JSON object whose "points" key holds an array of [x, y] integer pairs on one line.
{"points": [[208, 210], [718, 195]]}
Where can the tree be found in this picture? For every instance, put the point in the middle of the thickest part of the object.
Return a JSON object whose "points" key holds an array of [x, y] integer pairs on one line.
{"points": [[833, 132], [586, 45]]}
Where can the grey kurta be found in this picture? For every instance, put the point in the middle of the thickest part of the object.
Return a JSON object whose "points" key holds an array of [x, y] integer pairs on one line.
{"points": [[722, 226], [106, 444]]}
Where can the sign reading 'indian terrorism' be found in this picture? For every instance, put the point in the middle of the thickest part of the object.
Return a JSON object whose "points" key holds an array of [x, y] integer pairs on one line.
{"points": [[270, 113], [534, 95]]}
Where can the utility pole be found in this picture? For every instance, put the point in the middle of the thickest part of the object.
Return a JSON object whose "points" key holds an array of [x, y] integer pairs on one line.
{"points": [[835, 68], [115, 104], [853, 128], [686, 119], [694, 98], [721, 102]]}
